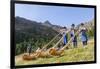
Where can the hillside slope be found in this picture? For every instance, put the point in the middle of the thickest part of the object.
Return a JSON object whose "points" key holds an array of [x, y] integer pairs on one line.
{"points": [[71, 55], [26, 29], [31, 32]]}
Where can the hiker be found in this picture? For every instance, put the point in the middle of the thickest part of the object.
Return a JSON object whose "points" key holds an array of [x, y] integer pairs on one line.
{"points": [[83, 34], [72, 34], [29, 48]]}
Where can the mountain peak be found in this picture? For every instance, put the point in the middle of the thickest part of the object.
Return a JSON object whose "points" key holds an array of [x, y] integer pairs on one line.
{"points": [[47, 23]]}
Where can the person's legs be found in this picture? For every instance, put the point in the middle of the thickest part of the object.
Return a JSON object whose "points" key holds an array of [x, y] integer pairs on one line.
{"points": [[29, 51], [84, 40], [75, 44], [64, 44], [84, 43]]}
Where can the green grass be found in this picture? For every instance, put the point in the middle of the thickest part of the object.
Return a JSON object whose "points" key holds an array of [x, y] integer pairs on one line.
{"points": [[70, 55]]}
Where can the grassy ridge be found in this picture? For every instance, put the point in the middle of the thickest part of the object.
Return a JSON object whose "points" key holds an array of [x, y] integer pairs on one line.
{"points": [[71, 55]]}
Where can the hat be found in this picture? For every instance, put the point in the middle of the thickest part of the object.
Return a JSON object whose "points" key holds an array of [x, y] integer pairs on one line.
{"points": [[64, 27], [82, 23], [73, 25]]}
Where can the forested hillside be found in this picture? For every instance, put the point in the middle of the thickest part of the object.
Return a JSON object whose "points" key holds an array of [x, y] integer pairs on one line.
{"points": [[31, 32]]}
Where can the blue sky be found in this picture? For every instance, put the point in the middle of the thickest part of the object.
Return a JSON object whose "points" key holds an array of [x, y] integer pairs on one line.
{"points": [[63, 16]]}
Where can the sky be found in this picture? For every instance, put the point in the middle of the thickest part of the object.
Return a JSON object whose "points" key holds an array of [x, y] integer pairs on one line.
{"points": [[57, 15]]}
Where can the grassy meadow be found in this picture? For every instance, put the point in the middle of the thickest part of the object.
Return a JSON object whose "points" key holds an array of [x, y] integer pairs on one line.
{"points": [[70, 55]]}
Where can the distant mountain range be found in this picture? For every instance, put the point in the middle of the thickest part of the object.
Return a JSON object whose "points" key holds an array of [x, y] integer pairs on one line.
{"points": [[27, 29]]}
